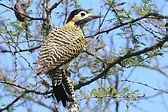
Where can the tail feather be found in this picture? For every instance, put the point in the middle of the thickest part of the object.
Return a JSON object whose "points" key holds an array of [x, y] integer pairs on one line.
{"points": [[61, 94], [64, 91]]}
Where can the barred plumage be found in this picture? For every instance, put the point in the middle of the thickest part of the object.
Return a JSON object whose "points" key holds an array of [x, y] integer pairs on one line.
{"points": [[60, 48], [62, 45]]}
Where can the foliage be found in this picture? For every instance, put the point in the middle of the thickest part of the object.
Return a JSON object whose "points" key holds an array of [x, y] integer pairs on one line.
{"points": [[129, 36]]}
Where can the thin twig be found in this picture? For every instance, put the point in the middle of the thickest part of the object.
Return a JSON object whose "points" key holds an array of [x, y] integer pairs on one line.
{"points": [[22, 41], [20, 50], [163, 91], [24, 88], [14, 101], [55, 5], [130, 22]]}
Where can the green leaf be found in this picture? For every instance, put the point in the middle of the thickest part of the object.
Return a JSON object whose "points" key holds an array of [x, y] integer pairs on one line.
{"points": [[113, 92], [95, 93], [102, 91], [84, 94]]}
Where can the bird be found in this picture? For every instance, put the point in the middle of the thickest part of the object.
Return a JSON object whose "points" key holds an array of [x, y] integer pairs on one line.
{"points": [[19, 12], [61, 46]]}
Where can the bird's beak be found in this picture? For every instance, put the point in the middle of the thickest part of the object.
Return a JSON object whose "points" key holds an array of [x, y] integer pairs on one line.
{"points": [[87, 18], [94, 16]]}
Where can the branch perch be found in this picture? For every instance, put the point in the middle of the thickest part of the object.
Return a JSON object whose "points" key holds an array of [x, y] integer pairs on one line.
{"points": [[122, 58], [32, 18]]}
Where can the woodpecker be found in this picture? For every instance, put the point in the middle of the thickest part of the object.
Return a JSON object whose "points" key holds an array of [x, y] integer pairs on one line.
{"points": [[61, 46]]}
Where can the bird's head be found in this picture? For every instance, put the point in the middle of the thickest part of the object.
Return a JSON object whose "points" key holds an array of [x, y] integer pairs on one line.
{"points": [[80, 17]]}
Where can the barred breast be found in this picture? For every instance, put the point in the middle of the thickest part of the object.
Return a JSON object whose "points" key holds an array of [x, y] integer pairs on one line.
{"points": [[61, 46]]}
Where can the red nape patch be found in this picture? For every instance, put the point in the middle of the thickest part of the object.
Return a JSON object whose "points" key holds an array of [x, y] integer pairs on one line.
{"points": [[69, 18]]}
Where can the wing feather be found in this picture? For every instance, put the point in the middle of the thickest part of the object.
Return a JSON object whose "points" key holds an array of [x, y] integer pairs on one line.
{"points": [[58, 50]]}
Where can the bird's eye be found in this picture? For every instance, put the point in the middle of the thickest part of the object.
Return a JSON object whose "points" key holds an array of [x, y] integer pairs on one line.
{"points": [[82, 14]]}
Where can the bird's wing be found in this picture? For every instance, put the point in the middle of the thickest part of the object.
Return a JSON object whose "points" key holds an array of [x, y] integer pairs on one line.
{"points": [[55, 52]]}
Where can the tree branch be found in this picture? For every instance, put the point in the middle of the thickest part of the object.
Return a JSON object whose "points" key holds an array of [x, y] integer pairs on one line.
{"points": [[131, 22], [21, 50], [146, 85], [45, 104], [25, 88], [122, 58], [55, 5], [32, 18], [14, 101]]}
